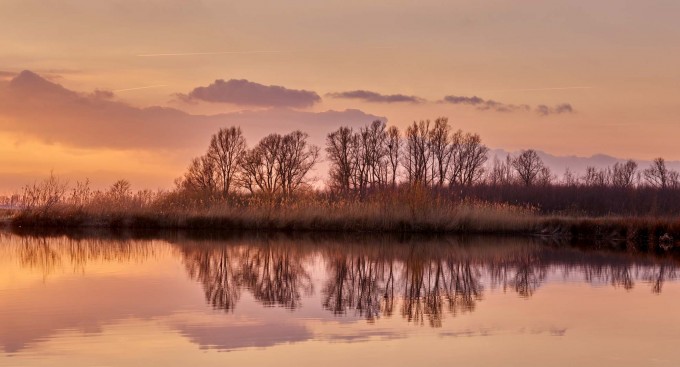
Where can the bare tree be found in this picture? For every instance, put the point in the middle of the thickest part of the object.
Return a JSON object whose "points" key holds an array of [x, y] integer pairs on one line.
{"points": [[473, 156], [674, 179], [278, 164], [458, 158], [597, 177], [440, 137], [120, 190], [259, 166], [295, 159], [393, 152], [201, 176], [226, 150], [545, 176], [623, 174], [501, 171], [658, 175], [339, 149], [372, 139], [569, 178], [417, 153], [528, 165]]}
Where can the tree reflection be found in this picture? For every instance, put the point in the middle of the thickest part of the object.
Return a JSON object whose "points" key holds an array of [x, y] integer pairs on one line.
{"points": [[275, 274], [529, 275], [465, 287], [359, 282], [657, 275], [426, 287], [431, 285], [214, 268], [422, 281]]}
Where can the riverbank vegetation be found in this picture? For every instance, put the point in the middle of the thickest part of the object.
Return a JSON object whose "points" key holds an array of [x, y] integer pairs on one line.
{"points": [[430, 178]]}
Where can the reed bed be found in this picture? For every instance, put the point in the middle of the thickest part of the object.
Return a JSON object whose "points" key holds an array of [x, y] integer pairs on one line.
{"points": [[386, 212], [403, 210]]}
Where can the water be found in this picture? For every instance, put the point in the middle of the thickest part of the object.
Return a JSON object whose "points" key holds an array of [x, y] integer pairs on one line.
{"points": [[180, 300]]}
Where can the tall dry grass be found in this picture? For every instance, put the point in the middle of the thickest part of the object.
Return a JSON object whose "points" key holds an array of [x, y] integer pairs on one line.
{"points": [[408, 209], [402, 209]]}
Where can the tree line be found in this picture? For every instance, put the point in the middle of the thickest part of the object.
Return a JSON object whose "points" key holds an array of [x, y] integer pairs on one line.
{"points": [[427, 153]]}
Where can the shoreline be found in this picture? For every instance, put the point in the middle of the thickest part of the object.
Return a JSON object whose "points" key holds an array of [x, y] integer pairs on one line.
{"points": [[646, 232]]}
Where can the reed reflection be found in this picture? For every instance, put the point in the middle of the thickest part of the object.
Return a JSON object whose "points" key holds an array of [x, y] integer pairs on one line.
{"points": [[50, 254]]}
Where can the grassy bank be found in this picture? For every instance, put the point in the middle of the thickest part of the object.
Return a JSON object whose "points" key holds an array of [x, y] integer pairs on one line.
{"points": [[373, 216], [439, 217], [403, 209]]}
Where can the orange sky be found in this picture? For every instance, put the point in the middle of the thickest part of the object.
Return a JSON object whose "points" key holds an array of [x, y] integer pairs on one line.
{"points": [[614, 62]]}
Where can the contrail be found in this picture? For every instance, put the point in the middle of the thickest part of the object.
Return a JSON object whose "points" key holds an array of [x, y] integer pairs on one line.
{"points": [[138, 88], [211, 53], [535, 89], [247, 52]]}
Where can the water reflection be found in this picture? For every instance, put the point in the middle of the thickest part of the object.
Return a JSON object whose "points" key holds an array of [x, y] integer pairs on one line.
{"points": [[273, 272], [420, 279], [48, 254]]}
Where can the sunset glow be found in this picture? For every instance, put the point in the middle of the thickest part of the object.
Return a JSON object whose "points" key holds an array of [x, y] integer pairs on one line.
{"points": [[614, 63]]}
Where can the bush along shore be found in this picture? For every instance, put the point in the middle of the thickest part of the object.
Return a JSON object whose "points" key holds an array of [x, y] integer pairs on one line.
{"points": [[428, 179]]}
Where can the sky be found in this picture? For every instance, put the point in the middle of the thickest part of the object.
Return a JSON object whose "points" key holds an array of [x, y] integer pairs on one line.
{"points": [[133, 89]]}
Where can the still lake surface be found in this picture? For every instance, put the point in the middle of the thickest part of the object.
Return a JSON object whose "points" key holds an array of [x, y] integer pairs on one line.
{"points": [[315, 300]]}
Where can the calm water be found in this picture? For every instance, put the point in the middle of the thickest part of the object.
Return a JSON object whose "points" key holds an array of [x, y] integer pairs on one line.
{"points": [[323, 301]]}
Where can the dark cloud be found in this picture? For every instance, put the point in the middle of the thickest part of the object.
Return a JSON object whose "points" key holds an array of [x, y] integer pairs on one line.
{"points": [[544, 110], [491, 105], [485, 105], [102, 94], [247, 93], [34, 106], [474, 101], [369, 96]]}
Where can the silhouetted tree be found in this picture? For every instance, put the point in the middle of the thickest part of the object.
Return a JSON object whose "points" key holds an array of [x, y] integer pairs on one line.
{"points": [[226, 151], [528, 165], [658, 175], [394, 144], [472, 157], [597, 177], [623, 174], [120, 190], [417, 155], [339, 152], [296, 157], [373, 140], [201, 176], [501, 172], [259, 167], [442, 150]]}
